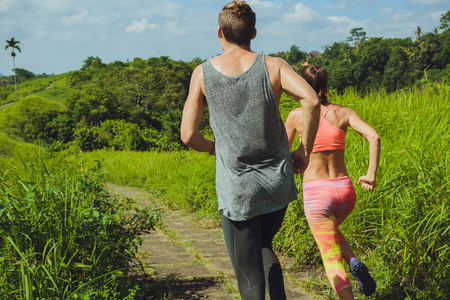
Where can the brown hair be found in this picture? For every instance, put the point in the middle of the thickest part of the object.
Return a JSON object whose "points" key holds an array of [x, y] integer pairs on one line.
{"points": [[317, 78], [237, 21]]}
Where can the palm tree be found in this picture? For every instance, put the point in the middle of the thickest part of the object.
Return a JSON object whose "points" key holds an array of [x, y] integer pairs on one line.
{"points": [[418, 32], [13, 44]]}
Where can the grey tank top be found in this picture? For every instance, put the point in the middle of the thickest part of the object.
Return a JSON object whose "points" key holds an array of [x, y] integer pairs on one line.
{"points": [[254, 173]]}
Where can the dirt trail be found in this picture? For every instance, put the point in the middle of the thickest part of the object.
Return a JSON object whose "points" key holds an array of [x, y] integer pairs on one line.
{"points": [[7, 104], [190, 259]]}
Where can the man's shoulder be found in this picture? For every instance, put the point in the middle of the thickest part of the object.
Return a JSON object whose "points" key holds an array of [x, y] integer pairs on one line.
{"points": [[198, 72], [276, 64], [274, 60], [197, 78]]}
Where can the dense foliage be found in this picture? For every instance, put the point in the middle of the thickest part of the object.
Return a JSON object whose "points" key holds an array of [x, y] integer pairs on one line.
{"points": [[124, 106], [374, 63], [62, 236]]}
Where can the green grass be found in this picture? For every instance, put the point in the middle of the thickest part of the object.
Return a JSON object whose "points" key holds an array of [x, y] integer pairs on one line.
{"points": [[57, 91], [53, 87], [182, 179], [401, 230], [13, 118], [63, 237], [10, 148]]}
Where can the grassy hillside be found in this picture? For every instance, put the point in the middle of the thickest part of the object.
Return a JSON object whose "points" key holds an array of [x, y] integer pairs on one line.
{"points": [[14, 114], [34, 86], [14, 117]]}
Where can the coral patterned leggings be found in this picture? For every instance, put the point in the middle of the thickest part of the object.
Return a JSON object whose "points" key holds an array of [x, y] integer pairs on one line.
{"points": [[327, 203]]}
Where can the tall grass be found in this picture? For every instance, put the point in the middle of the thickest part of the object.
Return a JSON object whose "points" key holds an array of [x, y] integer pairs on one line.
{"points": [[183, 179], [62, 236], [407, 221], [402, 230]]}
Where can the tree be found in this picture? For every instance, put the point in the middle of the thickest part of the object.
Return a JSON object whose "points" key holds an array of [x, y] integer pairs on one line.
{"points": [[423, 56], [92, 105], [357, 35], [396, 72], [295, 56], [93, 63], [418, 32], [445, 21], [23, 74], [13, 44]]}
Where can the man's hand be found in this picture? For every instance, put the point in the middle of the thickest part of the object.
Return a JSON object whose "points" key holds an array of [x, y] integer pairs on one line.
{"points": [[299, 160]]}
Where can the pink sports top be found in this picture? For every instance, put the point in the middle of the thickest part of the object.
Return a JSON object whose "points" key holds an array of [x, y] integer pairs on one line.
{"points": [[328, 137]]}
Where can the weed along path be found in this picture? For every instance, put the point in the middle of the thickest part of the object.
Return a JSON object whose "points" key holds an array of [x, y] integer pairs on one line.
{"points": [[188, 259]]}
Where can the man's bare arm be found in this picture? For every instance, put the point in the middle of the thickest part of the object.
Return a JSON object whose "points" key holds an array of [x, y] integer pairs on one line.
{"points": [[298, 89], [192, 115]]}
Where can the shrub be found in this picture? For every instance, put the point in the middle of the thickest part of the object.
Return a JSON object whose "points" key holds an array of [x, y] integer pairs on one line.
{"points": [[62, 236]]}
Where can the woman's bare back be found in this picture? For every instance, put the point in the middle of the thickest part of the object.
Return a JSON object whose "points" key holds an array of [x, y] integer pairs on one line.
{"points": [[324, 164]]}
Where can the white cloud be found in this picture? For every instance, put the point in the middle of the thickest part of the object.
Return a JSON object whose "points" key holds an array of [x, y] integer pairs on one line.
{"points": [[339, 27], [153, 9], [386, 10], [5, 5], [340, 5], [398, 17], [436, 15], [65, 34], [77, 29], [265, 4], [301, 14], [171, 26], [79, 18], [141, 26], [341, 21]]}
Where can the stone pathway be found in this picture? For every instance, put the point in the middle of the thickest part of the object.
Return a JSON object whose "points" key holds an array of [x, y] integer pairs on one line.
{"points": [[190, 259]]}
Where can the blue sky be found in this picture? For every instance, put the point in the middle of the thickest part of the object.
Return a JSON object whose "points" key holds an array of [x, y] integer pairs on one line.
{"points": [[56, 36]]}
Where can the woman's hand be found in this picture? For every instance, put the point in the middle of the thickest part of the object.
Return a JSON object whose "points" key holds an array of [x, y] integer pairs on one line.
{"points": [[367, 182]]}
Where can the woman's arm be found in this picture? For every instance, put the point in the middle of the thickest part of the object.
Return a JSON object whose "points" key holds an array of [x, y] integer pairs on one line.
{"points": [[292, 123], [369, 180]]}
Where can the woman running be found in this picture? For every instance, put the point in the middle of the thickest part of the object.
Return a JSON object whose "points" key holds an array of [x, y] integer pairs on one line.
{"points": [[328, 193]]}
